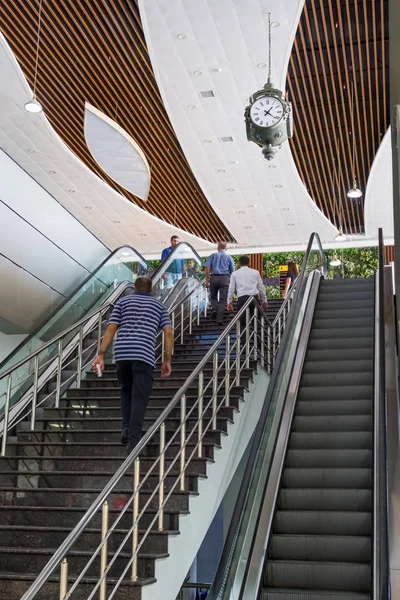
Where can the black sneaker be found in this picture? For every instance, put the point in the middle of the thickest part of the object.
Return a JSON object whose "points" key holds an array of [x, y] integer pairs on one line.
{"points": [[125, 436], [213, 316]]}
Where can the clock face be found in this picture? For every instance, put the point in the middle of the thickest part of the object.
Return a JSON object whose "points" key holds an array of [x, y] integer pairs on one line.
{"points": [[266, 111]]}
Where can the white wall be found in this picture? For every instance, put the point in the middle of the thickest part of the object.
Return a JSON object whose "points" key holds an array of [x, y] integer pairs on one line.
{"points": [[44, 251]]}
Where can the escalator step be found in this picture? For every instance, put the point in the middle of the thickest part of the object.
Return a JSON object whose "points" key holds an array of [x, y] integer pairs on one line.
{"points": [[327, 478], [328, 304], [329, 392], [343, 354], [329, 439], [286, 594], [329, 458], [324, 333], [319, 575], [334, 407], [354, 365], [320, 548], [364, 341], [358, 500], [343, 322], [344, 312], [337, 379], [315, 522], [333, 423]]}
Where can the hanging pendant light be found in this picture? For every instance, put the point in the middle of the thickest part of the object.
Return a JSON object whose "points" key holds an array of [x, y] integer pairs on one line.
{"points": [[34, 106], [341, 237], [353, 192], [335, 262]]}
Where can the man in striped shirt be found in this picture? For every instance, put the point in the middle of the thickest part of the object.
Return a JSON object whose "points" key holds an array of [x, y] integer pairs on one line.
{"points": [[138, 319]]}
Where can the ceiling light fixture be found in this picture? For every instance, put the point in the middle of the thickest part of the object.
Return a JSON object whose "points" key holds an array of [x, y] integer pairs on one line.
{"points": [[125, 253], [218, 70], [278, 185], [275, 24], [234, 162], [221, 170], [353, 192], [192, 106], [272, 166], [231, 189], [73, 192], [143, 234], [262, 65], [335, 262], [181, 36], [88, 207], [31, 151], [248, 227], [116, 222], [240, 212], [252, 205], [34, 106], [197, 73], [341, 237], [290, 224], [207, 141], [285, 208], [51, 172]]}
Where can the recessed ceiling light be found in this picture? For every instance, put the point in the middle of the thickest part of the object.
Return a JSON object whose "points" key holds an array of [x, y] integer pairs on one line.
{"points": [[234, 162], [271, 166], [191, 106], [207, 141], [275, 24], [125, 253], [72, 192], [52, 172], [31, 151], [181, 36], [221, 171], [226, 139], [143, 234], [231, 189], [262, 65], [33, 106], [197, 73], [290, 224], [278, 185], [116, 221], [285, 208], [88, 207], [240, 212], [252, 205], [248, 227], [218, 70]]}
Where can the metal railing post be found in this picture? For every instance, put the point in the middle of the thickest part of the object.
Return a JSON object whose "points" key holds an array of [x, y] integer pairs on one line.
{"points": [[200, 424], [64, 579], [99, 336], [263, 341], [198, 309], [135, 531], [227, 368], [274, 343], [80, 348], [190, 313], [173, 330], [59, 369], [6, 417], [183, 443], [35, 391], [205, 301], [103, 555], [161, 479], [247, 350], [182, 321], [269, 365], [238, 353], [215, 390], [255, 339]]}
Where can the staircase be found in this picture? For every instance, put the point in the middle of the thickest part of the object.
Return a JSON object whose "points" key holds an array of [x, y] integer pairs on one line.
{"points": [[52, 475], [320, 547]]}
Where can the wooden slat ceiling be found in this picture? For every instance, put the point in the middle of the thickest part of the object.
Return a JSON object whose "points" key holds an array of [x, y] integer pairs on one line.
{"points": [[95, 51], [339, 42]]}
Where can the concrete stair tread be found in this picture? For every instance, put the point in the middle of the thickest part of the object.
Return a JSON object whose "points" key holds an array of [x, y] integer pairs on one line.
{"points": [[51, 551], [4, 575], [41, 528]]}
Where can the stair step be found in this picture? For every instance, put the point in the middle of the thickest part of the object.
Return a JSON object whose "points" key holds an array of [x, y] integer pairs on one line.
{"points": [[323, 522], [327, 478], [332, 548], [359, 500], [319, 575]]}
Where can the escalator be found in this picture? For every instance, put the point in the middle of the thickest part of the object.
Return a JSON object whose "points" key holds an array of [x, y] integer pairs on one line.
{"points": [[310, 520]]}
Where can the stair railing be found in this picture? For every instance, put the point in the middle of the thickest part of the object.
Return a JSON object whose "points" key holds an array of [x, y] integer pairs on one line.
{"points": [[72, 352], [207, 392]]}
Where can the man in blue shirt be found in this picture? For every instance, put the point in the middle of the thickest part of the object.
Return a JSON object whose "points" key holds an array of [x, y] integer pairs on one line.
{"points": [[219, 267], [174, 270], [138, 319]]}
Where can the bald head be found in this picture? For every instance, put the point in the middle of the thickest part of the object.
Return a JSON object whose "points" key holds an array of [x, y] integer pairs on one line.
{"points": [[143, 284], [221, 246]]}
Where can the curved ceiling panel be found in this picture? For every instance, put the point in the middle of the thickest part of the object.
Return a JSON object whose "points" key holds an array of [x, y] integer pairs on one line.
{"points": [[379, 195], [208, 57], [117, 152], [95, 51]]}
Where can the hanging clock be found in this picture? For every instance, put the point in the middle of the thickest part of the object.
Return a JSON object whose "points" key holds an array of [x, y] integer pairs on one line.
{"points": [[269, 119]]}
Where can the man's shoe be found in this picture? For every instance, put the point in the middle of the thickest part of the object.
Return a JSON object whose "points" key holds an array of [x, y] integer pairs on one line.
{"points": [[213, 316], [125, 436], [220, 322]]}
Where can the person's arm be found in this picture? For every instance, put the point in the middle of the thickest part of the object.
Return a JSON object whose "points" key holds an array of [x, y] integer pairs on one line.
{"points": [[263, 293], [164, 254], [287, 286], [231, 291], [111, 330], [231, 265], [168, 342]]}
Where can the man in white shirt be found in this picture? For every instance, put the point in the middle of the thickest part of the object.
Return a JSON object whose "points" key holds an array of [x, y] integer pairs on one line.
{"points": [[247, 282]]}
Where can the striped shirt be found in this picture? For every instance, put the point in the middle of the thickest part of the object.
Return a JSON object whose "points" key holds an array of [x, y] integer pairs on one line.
{"points": [[220, 263], [139, 318]]}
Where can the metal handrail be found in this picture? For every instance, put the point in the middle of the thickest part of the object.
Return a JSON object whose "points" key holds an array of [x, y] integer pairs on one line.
{"points": [[133, 459], [236, 520]]}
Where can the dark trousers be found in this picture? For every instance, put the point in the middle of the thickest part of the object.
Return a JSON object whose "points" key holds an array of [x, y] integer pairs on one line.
{"points": [[136, 380], [241, 301], [219, 283]]}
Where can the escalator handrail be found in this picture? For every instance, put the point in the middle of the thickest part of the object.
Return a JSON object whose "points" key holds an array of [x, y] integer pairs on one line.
{"points": [[257, 435], [68, 298], [381, 579]]}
